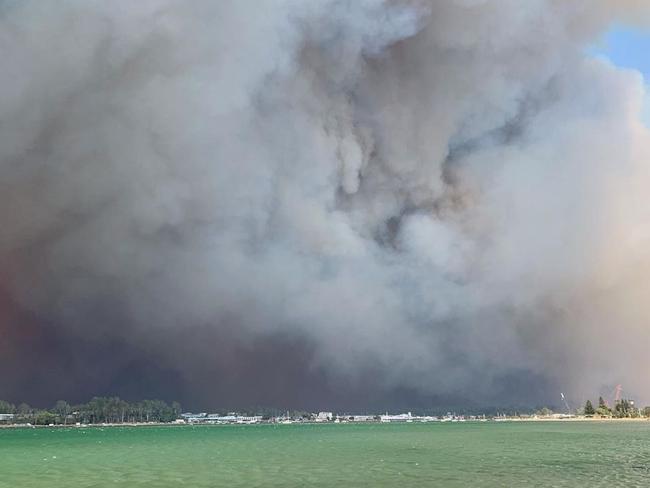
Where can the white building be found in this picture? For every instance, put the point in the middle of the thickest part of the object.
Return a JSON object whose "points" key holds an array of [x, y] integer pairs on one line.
{"points": [[231, 418], [194, 417], [401, 417], [362, 418]]}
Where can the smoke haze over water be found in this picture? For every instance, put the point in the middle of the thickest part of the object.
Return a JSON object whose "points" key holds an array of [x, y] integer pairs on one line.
{"points": [[299, 200]]}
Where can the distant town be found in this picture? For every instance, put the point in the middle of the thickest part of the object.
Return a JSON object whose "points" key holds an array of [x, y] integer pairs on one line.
{"points": [[114, 411]]}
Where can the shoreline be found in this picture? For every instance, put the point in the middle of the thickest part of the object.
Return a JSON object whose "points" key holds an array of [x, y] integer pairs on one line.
{"points": [[199, 424]]}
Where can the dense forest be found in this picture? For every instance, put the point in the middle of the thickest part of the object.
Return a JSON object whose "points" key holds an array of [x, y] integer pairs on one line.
{"points": [[97, 410]]}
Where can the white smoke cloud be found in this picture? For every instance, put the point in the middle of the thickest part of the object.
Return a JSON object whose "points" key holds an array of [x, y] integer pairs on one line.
{"points": [[449, 192]]}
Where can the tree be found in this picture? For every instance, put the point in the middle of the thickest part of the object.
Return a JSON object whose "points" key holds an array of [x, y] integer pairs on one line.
{"points": [[6, 407], [589, 409], [97, 410], [43, 417], [625, 408], [62, 409], [177, 409], [603, 410], [24, 410]]}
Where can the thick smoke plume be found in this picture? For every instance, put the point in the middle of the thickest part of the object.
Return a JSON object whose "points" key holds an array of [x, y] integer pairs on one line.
{"points": [[447, 197]]}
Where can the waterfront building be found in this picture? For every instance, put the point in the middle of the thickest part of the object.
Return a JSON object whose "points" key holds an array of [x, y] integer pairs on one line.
{"points": [[402, 417], [231, 418]]}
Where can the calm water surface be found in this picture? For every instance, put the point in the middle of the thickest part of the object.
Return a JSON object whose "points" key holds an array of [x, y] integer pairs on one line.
{"points": [[390, 455]]}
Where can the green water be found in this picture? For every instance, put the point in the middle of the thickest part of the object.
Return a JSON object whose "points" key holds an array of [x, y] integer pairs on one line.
{"points": [[406, 455]]}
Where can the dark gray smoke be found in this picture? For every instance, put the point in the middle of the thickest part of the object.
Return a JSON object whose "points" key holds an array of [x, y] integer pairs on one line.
{"points": [[291, 198]]}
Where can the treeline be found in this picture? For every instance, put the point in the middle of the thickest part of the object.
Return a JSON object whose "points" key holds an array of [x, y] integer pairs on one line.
{"points": [[622, 409], [97, 411]]}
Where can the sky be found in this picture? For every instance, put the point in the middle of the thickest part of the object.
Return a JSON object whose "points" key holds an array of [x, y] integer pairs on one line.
{"points": [[628, 48], [324, 204]]}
